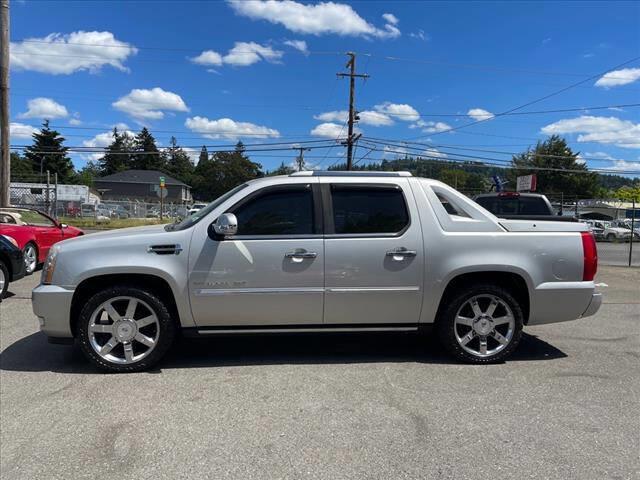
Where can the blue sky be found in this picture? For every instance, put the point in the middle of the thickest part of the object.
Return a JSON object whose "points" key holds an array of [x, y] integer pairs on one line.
{"points": [[212, 72]]}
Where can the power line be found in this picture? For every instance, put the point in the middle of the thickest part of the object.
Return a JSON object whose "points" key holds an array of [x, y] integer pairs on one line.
{"points": [[545, 97]]}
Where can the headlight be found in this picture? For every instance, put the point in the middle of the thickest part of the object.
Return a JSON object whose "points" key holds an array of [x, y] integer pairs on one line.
{"points": [[12, 240], [49, 266]]}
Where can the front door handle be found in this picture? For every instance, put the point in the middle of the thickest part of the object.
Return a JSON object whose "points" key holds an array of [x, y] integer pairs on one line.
{"points": [[401, 253], [300, 254]]}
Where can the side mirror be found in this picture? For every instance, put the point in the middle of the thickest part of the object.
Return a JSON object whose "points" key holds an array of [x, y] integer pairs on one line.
{"points": [[63, 225], [225, 226]]}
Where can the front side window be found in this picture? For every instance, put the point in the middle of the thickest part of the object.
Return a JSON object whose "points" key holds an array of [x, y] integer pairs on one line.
{"points": [[364, 209], [286, 211]]}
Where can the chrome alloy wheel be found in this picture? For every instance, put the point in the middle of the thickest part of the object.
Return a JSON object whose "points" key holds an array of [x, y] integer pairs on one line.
{"points": [[30, 258], [484, 325], [2, 282], [123, 330]]}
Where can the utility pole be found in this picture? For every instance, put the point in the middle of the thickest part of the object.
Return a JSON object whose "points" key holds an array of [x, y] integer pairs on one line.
{"points": [[351, 64], [5, 154], [300, 158]]}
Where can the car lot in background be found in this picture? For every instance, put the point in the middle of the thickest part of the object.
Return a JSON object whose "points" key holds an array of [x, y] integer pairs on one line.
{"points": [[196, 207], [34, 232], [609, 231], [334, 406]]}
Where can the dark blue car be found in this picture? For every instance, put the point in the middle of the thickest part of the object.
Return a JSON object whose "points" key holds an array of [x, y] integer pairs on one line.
{"points": [[11, 264]]}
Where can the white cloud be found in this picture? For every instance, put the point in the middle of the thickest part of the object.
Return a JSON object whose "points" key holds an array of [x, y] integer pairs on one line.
{"points": [[479, 114], [242, 54], [420, 34], [228, 128], [75, 122], [149, 104], [315, 19], [401, 111], [606, 130], [299, 45], [330, 130], [435, 127], [334, 116], [208, 57], [60, 54], [367, 117], [434, 153], [624, 165], [42, 107], [618, 77], [20, 130], [248, 53], [103, 140]]}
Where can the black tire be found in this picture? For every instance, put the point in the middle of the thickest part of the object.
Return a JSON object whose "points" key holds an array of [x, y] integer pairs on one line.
{"points": [[446, 327], [4, 272], [166, 328], [611, 237]]}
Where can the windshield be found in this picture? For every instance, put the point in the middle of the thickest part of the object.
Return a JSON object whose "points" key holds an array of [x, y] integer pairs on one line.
{"points": [[191, 220]]}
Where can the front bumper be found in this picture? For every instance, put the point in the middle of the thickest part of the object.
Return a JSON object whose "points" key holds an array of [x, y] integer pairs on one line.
{"points": [[52, 306], [554, 302]]}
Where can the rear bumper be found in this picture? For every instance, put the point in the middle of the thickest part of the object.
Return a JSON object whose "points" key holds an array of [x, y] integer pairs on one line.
{"points": [[52, 306], [554, 302]]}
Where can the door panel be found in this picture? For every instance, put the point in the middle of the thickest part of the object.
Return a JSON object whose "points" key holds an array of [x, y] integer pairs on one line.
{"points": [[272, 272], [255, 282], [373, 278]]}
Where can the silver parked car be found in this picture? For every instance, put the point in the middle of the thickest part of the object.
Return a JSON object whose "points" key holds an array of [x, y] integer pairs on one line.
{"points": [[319, 251]]}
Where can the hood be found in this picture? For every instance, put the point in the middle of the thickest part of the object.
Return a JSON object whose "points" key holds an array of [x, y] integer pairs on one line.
{"points": [[126, 234]]}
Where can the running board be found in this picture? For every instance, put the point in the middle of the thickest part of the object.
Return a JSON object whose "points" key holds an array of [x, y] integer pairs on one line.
{"points": [[196, 332]]}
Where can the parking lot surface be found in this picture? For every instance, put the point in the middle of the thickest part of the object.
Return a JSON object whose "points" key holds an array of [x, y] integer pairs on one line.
{"points": [[329, 407]]}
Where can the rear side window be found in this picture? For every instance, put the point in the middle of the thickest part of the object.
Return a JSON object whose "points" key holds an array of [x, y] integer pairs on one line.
{"points": [[368, 209], [514, 206], [278, 212]]}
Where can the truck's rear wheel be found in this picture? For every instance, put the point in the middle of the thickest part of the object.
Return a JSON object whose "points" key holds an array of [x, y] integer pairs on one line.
{"points": [[481, 324], [125, 329]]}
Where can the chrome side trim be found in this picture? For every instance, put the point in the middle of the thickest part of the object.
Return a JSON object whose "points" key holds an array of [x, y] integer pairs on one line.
{"points": [[306, 330], [256, 291], [372, 289]]}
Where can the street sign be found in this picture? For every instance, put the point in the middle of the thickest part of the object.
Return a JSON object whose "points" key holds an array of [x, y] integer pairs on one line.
{"points": [[526, 183], [161, 182]]}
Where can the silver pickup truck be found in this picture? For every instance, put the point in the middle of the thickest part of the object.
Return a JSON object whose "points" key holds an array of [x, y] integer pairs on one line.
{"points": [[319, 252]]}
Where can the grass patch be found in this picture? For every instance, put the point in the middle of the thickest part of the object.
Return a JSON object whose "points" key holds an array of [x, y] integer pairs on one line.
{"points": [[113, 224]]}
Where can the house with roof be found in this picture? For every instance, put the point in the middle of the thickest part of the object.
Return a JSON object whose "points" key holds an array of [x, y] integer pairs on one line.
{"points": [[142, 185]]}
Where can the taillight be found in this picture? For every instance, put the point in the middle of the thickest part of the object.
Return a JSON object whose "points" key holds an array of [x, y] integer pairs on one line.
{"points": [[590, 256]]}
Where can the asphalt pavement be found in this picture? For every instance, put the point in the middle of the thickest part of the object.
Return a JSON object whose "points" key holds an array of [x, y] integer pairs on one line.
{"points": [[617, 253], [329, 407]]}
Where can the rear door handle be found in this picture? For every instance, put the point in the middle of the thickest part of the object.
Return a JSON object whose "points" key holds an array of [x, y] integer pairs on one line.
{"points": [[400, 253], [300, 254]]}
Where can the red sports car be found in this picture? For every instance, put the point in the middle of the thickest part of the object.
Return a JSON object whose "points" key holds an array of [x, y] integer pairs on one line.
{"points": [[35, 233]]}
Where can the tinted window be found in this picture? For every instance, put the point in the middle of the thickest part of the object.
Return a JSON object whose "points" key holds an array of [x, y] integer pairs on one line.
{"points": [[514, 206], [279, 212], [368, 210]]}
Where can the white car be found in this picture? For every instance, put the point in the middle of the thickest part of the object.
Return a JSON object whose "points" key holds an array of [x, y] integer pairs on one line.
{"points": [[196, 207], [610, 232]]}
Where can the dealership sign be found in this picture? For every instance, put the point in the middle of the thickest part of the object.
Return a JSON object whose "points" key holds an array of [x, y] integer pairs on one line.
{"points": [[526, 183]]}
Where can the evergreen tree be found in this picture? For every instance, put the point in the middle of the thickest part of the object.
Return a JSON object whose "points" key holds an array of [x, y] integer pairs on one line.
{"points": [[204, 154], [554, 153], [48, 153], [147, 156], [178, 163], [115, 158], [89, 173], [21, 168], [282, 170]]}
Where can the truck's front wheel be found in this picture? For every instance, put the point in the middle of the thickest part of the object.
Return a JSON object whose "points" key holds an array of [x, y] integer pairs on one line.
{"points": [[481, 324], [125, 329]]}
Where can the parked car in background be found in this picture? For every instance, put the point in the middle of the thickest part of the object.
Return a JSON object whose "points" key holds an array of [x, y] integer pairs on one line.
{"points": [[520, 206], [595, 227], [98, 213], [613, 233], [34, 232], [196, 207], [12, 266], [313, 252], [117, 211], [626, 225]]}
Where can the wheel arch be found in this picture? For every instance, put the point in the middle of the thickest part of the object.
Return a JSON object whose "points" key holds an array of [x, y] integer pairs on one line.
{"points": [[92, 285], [514, 282]]}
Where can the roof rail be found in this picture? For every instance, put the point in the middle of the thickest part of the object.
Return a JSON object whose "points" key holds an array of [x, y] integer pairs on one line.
{"points": [[350, 173]]}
